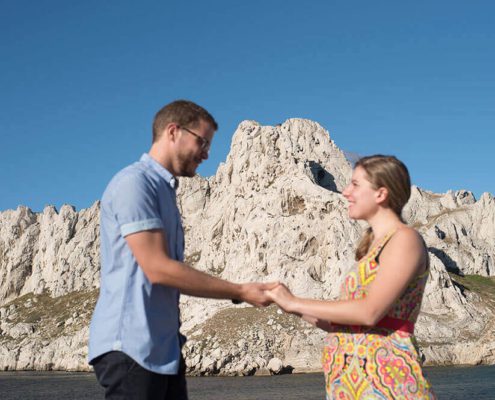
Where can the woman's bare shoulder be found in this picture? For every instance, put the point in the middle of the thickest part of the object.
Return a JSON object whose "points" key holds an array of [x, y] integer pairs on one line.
{"points": [[408, 237]]}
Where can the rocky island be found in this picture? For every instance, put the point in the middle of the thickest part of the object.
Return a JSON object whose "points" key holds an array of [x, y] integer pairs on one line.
{"points": [[273, 211]]}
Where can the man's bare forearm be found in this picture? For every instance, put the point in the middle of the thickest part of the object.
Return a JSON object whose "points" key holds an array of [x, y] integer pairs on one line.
{"points": [[192, 282], [150, 250]]}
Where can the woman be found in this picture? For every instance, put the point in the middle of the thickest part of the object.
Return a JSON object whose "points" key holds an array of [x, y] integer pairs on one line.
{"points": [[370, 351]]}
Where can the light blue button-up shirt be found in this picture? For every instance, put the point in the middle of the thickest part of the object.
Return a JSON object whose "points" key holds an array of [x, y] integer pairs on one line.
{"points": [[132, 315]]}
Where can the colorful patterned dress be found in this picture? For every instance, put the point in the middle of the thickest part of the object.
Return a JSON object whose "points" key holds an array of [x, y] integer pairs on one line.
{"points": [[380, 362]]}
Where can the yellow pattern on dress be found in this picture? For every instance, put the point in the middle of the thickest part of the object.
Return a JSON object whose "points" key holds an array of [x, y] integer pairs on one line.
{"points": [[375, 363]]}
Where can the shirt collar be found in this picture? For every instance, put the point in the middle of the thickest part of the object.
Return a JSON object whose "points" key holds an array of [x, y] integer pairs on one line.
{"points": [[160, 170]]}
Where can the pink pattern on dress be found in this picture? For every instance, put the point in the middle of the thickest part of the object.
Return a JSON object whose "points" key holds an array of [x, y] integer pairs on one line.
{"points": [[375, 362]]}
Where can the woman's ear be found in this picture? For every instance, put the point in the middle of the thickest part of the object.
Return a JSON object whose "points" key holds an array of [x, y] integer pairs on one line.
{"points": [[382, 195]]}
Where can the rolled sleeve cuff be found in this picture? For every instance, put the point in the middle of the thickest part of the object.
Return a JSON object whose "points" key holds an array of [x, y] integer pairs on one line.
{"points": [[138, 226]]}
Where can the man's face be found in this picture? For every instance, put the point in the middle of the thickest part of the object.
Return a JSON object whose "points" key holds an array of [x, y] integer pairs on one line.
{"points": [[193, 146]]}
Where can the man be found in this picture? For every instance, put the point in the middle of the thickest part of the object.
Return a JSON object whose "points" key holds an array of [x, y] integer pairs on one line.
{"points": [[135, 344]]}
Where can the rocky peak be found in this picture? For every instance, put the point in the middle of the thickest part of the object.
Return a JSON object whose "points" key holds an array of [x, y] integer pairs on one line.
{"points": [[261, 154]]}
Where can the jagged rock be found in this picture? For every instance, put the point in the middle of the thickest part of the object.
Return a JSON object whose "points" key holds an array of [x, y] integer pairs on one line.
{"points": [[16, 331], [50, 251], [458, 229], [273, 211]]}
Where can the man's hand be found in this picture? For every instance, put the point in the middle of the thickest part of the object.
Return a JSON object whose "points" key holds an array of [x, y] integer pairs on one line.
{"points": [[256, 293]]}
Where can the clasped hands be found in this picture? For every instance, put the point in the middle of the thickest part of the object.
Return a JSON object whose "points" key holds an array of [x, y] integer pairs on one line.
{"points": [[264, 294]]}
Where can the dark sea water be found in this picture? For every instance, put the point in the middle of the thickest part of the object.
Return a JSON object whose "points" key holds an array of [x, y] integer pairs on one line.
{"points": [[450, 383]]}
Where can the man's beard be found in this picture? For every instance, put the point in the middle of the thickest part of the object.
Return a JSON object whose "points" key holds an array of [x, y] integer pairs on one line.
{"points": [[187, 167]]}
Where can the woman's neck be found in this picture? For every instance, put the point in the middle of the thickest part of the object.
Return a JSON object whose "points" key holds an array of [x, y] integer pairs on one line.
{"points": [[383, 222]]}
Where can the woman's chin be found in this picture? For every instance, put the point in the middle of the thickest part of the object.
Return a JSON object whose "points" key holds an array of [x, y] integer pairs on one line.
{"points": [[353, 215]]}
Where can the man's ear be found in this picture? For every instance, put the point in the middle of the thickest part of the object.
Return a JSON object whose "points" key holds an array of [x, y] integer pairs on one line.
{"points": [[170, 132], [173, 131], [382, 195]]}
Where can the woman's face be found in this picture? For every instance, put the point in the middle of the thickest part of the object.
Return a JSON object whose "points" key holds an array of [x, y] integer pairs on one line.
{"points": [[361, 195]]}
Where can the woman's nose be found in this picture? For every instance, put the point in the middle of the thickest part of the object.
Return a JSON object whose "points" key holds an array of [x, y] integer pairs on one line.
{"points": [[346, 191]]}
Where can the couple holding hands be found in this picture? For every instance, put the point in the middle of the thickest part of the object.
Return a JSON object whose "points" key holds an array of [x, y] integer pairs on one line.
{"points": [[135, 345]]}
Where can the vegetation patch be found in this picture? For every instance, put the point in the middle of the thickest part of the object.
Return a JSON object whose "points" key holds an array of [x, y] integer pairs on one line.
{"points": [[482, 285], [232, 324], [50, 316]]}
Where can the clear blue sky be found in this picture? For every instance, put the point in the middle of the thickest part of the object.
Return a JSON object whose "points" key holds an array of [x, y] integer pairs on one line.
{"points": [[81, 81]]}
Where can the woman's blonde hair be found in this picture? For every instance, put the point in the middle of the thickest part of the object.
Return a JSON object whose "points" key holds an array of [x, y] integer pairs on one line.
{"points": [[392, 174]]}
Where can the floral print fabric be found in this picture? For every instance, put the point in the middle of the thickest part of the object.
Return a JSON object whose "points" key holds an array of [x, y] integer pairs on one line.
{"points": [[375, 362]]}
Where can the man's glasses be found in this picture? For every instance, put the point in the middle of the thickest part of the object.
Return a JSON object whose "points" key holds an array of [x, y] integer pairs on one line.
{"points": [[205, 143]]}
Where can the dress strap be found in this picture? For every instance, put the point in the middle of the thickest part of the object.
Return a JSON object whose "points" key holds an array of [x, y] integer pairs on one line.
{"points": [[375, 251]]}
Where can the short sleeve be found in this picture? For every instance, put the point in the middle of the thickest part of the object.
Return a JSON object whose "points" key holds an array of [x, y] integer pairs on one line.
{"points": [[134, 203]]}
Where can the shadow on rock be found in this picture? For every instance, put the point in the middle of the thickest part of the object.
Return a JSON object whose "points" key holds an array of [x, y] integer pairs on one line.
{"points": [[322, 177]]}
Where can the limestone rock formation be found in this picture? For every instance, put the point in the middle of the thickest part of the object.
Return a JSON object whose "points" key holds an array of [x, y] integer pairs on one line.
{"points": [[273, 211], [52, 251]]}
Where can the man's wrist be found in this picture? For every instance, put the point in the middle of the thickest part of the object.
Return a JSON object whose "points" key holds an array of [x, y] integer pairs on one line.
{"points": [[239, 293]]}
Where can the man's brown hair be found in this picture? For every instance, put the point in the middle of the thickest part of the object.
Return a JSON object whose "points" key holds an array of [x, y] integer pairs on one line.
{"points": [[182, 112]]}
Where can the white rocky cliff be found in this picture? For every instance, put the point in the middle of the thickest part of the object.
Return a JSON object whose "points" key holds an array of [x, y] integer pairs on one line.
{"points": [[273, 211]]}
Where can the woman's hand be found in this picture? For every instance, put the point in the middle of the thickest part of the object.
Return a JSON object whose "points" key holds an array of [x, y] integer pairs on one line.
{"points": [[282, 296]]}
